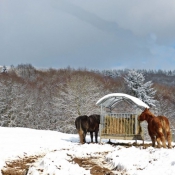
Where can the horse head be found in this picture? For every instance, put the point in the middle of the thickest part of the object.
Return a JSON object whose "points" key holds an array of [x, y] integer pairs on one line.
{"points": [[143, 115]]}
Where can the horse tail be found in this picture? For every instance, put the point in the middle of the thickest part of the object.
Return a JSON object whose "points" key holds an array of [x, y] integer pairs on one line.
{"points": [[165, 125], [166, 129], [168, 134], [78, 125], [81, 133]]}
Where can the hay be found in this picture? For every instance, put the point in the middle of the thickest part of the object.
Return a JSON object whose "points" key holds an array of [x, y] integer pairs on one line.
{"points": [[122, 125]]}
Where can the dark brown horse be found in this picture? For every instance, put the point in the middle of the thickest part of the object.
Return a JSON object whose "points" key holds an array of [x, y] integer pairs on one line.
{"points": [[86, 124], [158, 128]]}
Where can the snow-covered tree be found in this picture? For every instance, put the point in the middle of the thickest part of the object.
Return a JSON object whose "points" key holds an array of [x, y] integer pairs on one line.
{"points": [[77, 97], [4, 69], [26, 71], [137, 87], [10, 105]]}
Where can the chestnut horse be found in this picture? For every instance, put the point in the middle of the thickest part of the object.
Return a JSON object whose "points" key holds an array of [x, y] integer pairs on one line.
{"points": [[158, 128], [86, 124]]}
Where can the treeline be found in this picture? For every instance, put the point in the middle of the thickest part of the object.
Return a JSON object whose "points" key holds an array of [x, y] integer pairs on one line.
{"points": [[118, 72], [52, 99]]}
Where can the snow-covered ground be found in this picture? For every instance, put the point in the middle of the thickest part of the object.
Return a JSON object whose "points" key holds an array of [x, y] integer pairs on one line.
{"points": [[59, 149]]}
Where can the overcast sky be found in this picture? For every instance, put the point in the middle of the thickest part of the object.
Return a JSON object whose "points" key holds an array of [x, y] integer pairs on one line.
{"points": [[92, 34]]}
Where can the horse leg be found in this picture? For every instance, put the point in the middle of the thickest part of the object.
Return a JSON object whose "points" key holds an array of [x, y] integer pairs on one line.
{"points": [[169, 139], [84, 137], [158, 142], [96, 136], [81, 135], [91, 133], [163, 141], [162, 138], [152, 139]]}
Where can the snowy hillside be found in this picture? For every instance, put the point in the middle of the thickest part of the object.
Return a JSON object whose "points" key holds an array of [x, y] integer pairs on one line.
{"points": [[58, 153]]}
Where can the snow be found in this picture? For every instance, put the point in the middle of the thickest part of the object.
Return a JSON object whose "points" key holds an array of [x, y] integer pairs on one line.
{"points": [[113, 98], [58, 150]]}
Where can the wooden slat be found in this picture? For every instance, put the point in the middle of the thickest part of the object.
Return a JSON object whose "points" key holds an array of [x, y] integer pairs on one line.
{"points": [[119, 126]]}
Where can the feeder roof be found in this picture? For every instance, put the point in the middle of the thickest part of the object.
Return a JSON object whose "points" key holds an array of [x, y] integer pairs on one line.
{"points": [[111, 100]]}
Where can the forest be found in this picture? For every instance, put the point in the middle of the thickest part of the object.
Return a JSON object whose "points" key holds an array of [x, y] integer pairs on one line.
{"points": [[52, 98]]}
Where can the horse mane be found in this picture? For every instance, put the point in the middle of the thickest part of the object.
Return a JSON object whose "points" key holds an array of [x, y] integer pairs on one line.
{"points": [[150, 115], [95, 118]]}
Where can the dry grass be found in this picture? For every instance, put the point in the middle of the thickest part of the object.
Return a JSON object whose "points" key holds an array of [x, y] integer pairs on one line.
{"points": [[19, 166]]}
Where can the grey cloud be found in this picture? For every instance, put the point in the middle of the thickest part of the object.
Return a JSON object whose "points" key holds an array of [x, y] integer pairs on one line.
{"points": [[75, 33]]}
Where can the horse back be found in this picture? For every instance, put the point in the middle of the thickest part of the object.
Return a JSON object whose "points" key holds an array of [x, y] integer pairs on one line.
{"points": [[159, 123], [82, 122], [164, 122], [94, 121]]}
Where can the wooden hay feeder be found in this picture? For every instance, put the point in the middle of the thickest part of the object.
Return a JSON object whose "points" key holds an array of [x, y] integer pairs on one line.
{"points": [[124, 125]]}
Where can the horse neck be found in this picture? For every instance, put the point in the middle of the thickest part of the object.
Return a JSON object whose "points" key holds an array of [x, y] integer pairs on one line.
{"points": [[149, 117]]}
